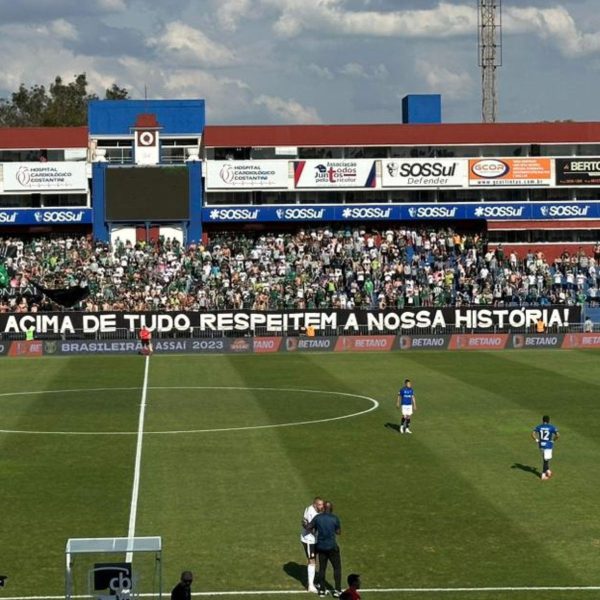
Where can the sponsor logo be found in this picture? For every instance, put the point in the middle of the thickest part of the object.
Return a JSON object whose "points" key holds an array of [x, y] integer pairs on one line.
{"points": [[58, 216], [23, 176], [291, 344], [227, 173], [6, 217], [366, 213], [314, 344], [233, 214], [490, 168], [591, 166], [489, 342], [300, 214], [541, 341], [335, 172], [499, 211], [267, 344], [562, 210], [427, 342], [432, 212], [240, 345], [50, 347], [422, 169]]}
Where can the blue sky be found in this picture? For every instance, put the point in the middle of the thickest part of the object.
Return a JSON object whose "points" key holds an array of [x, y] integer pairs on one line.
{"points": [[311, 61]]}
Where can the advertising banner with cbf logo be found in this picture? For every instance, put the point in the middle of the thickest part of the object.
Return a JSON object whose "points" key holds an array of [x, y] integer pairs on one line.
{"points": [[44, 176]]}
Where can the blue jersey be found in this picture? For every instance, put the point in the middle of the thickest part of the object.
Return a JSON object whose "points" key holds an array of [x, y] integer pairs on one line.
{"points": [[406, 395], [545, 435]]}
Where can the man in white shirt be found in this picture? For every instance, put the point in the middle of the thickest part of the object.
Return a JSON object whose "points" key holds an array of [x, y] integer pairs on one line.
{"points": [[307, 537]]}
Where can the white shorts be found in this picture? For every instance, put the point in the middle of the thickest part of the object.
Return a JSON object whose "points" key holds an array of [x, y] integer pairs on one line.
{"points": [[547, 453], [407, 410]]}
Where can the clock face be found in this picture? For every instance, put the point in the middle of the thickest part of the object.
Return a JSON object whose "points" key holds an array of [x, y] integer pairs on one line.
{"points": [[146, 138]]}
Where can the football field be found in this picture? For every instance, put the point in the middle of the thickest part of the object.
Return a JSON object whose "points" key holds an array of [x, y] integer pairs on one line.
{"points": [[219, 455]]}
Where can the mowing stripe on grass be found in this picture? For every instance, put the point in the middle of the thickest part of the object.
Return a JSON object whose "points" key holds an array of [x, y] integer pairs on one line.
{"points": [[557, 588], [138, 460]]}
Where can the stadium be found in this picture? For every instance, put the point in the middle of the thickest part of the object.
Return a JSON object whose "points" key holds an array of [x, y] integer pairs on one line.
{"points": [[290, 278]]}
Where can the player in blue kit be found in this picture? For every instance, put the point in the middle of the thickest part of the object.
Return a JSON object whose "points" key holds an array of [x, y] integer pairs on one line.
{"points": [[406, 401], [545, 435]]}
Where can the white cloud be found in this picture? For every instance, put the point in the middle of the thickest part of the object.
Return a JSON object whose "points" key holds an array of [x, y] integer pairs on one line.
{"points": [[555, 25], [112, 5], [63, 30], [229, 13], [289, 111], [355, 70], [359, 71], [454, 85], [330, 15], [189, 46], [320, 71]]}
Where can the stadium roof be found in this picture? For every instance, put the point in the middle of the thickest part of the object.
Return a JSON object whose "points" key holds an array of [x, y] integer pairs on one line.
{"points": [[391, 134], [36, 138], [401, 134]]}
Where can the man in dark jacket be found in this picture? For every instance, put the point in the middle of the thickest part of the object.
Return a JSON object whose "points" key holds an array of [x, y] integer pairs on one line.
{"points": [[183, 590], [326, 526]]}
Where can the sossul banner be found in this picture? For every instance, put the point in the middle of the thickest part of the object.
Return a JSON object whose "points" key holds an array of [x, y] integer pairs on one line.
{"points": [[351, 322]]}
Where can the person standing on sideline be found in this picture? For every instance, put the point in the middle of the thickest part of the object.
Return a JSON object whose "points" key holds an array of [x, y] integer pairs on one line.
{"points": [[545, 435], [307, 538], [406, 400], [183, 590], [146, 339], [326, 526], [352, 593]]}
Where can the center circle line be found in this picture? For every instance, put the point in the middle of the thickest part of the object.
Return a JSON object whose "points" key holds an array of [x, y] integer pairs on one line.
{"points": [[374, 406]]}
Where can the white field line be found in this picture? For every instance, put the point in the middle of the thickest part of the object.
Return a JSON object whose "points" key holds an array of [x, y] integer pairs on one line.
{"points": [[374, 405], [138, 460], [508, 589]]}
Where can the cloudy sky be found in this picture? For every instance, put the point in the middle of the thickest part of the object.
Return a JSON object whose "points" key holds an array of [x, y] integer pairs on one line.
{"points": [[311, 61]]}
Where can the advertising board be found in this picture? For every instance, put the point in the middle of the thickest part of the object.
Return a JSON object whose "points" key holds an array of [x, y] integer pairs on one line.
{"points": [[247, 174], [45, 176]]}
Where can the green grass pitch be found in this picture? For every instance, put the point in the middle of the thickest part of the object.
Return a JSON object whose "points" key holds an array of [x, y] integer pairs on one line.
{"points": [[455, 505]]}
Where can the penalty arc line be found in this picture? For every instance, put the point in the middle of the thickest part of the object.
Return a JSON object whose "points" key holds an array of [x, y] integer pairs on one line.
{"points": [[135, 491]]}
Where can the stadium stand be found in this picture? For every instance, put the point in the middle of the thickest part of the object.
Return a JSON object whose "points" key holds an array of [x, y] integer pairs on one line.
{"points": [[309, 268]]}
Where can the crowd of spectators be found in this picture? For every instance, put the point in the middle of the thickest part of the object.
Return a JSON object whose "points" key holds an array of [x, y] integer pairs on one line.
{"points": [[309, 268]]}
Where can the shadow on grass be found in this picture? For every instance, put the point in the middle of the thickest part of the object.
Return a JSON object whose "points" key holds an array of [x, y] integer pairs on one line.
{"points": [[297, 572], [393, 426], [527, 469]]}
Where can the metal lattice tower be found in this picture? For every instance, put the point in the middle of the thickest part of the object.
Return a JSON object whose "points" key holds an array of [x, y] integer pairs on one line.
{"points": [[489, 27]]}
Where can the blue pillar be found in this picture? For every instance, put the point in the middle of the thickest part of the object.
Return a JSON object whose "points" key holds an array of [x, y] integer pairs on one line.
{"points": [[194, 234], [100, 227]]}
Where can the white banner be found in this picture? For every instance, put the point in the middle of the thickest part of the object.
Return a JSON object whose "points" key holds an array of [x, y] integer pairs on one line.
{"points": [[334, 173], [425, 172], [244, 174], [44, 176]]}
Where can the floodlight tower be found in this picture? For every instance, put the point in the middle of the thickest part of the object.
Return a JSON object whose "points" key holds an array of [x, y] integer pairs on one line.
{"points": [[489, 28]]}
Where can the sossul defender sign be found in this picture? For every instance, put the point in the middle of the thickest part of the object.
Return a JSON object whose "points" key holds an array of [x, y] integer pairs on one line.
{"points": [[292, 322]]}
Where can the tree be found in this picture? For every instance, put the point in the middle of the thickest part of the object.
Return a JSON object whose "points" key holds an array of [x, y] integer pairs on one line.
{"points": [[62, 105], [114, 92]]}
